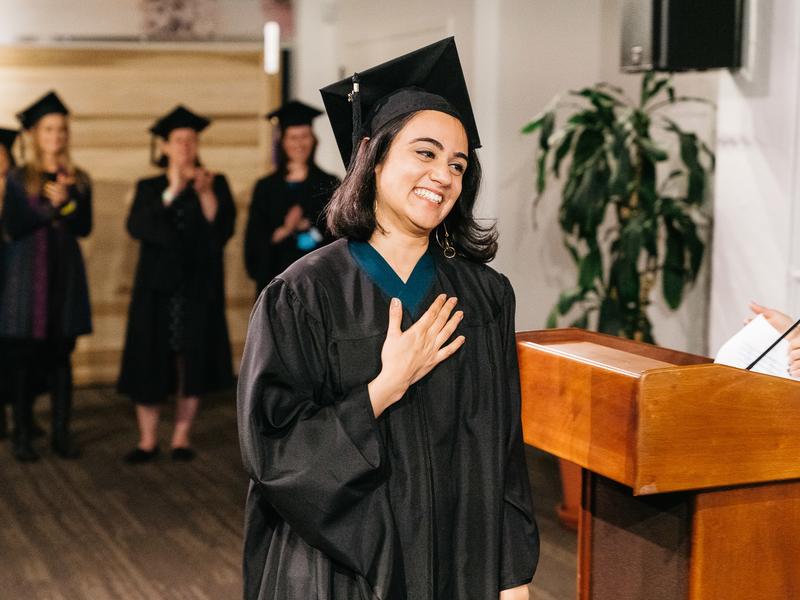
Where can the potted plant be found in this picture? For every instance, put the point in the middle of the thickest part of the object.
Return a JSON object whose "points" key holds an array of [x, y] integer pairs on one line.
{"points": [[623, 225]]}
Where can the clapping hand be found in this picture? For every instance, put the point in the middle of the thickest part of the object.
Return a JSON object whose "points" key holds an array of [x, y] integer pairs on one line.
{"points": [[57, 192]]}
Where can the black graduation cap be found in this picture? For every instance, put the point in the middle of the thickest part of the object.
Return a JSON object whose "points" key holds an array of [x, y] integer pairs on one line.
{"points": [[7, 137], [294, 113], [179, 117], [430, 78], [47, 104]]}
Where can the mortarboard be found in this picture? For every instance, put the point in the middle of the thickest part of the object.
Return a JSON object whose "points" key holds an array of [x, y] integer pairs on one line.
{"points": [[7, 137], [294, 113], [430, 78], [47, 104], [178, 118]]}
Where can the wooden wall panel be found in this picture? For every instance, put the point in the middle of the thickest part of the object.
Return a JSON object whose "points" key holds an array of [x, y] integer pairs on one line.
{"points": [[115, 94]]}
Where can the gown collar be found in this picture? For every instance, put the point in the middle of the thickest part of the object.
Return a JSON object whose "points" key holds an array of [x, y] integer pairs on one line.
{"points": [[412, 292]]}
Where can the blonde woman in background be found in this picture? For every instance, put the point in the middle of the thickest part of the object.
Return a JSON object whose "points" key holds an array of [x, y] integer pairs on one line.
{"points": [[44, 304]]}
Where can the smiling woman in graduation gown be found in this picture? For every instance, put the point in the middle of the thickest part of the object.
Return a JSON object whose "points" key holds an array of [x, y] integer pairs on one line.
{"points": [[430, 499], [284, 222]]}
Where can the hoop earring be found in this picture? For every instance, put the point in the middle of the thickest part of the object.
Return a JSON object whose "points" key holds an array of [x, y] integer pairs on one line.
{"points": [[447, 247]]}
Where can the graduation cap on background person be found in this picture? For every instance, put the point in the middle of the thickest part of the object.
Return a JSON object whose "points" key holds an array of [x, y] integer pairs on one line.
{"points": [[430, 78], [7, 138], [178, 118], [48, 104], [293, 113]]}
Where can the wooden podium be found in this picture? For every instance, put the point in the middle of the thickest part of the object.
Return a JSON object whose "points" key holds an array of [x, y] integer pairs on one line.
{"points": [[691, 471]]}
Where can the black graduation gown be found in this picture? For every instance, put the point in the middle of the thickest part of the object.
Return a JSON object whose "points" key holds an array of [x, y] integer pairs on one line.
{"points": [[271, 201], [429, 501], [68, 306], [180, 252]]}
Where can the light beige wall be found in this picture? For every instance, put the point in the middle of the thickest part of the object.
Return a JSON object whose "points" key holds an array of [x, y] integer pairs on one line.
{"points": [[115, 94], [48, 19]]}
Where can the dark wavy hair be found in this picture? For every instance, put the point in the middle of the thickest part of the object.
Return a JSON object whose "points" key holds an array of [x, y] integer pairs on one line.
{"points": [[351, 211], [282, 160]]}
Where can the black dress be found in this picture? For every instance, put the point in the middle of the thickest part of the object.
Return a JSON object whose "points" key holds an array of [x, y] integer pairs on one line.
{"points": [[272, 199], [429, 501], [178, 302]]}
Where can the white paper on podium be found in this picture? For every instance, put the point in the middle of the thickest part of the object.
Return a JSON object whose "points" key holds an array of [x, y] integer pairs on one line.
{"points": [[755, 337]]}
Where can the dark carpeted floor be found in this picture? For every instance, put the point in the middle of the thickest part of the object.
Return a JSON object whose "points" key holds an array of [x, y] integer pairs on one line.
{"points": [[96, 529]]}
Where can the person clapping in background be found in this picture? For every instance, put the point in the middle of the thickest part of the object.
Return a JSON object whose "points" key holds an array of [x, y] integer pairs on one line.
{"points": [[177, 336], [284, 221], [7, 162], [44, 304]]}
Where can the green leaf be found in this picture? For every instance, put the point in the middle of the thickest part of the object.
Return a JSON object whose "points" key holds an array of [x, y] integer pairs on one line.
{"points": [[655, 153], [533, 125], [588, 144], [626, 277], [621, 168], [552, 318], [673, 276], [645, 93], [610, 319], [573, 251], [581, 322], [631, 239], [591, 268], [586, 118], [657, 87], [568, 299], [541, 172], [548, 123], [561, 150], [597, 97]]}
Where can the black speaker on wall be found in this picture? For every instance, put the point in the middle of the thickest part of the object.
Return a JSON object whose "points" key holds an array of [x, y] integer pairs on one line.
{"points": [[682, 35]]}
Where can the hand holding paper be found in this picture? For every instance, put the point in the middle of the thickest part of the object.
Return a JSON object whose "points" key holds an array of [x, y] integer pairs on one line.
{"points": [[755, 337]]}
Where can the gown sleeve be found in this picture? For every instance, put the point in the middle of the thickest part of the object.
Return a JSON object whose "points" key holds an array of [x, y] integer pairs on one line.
{"points": [[262, 221], [225, 219], [316, 455], [520, 545], [256, 237], [148, 220], [19, 217]]}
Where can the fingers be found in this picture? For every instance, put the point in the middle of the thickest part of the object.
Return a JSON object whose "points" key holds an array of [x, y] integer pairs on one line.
{"points": [[444, 314], [395, 318], [449, 328], [450, 349], [430, 315], [757, 308]]}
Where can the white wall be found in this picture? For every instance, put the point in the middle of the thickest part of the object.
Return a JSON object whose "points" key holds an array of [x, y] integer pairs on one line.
{"points": [[517, 54], [757, 222]]}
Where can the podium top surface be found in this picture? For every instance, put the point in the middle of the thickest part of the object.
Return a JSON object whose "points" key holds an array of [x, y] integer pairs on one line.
{"points": [[655, 419], [605, 357]]}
